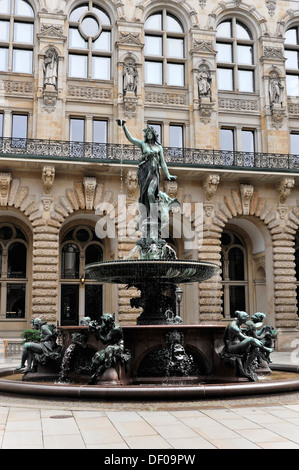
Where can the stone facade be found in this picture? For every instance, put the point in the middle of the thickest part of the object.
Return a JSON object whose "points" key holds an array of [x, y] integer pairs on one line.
{"points": [[47, 188]]}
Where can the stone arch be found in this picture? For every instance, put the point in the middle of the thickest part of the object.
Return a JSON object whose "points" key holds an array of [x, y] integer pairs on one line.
{"points": [[244, 10], [234, 205], [286, 21], [176, 6]]}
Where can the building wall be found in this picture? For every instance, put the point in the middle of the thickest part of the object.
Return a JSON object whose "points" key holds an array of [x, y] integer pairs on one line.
{"points": [[46, 196]]}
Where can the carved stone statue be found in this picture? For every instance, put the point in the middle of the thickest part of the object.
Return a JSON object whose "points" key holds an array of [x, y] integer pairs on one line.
{"points": [[265, 333], [50, 67], [275, 89], [242, 350], [130, 77], [204, 80], [111, 335], [34, 353]]}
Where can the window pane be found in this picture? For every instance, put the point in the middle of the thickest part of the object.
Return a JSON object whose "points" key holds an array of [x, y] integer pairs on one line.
{"points": [[176, 136], [246, 80], [224, 30], [292, 85], [17, 261], [90, 26], [291, 36], [102, 15], [70, 262], [153, 73], [101, 68], [4, 30], [77, 13], [5, 7], [94, 302], [247, 141], [23, 8], [227, 139], [77, 127], [1, 125], [237, 298], [173, 25], [15, 302], [77, 66], [175, 74], [103, 43], [295, 151], [3, 59], [245, 55], [22, 61], [236, 264], [154, 22], [242, 32], [225, 52], [292, 59], [153, 45], [69, 305], [93, 254], [225, 79], [100, 132], [175, 48], [76, 40], [23, 33], [19, 126]]}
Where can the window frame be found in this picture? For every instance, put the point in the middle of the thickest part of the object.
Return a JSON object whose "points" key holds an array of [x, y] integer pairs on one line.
{"points": [[235, 66], [164, 59], [292, 72]]}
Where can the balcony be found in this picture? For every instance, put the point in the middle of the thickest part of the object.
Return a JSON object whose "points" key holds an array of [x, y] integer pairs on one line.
{"points": [[114, 153]]}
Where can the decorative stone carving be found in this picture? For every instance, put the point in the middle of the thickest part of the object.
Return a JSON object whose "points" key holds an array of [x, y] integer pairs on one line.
{"points": [[171, 188], [89, 184], [246, 191], [238, 104], [210, 185], [5, 180], [204, 80], [177, 99], [271, 5], [275, 89], [90, 93], [131, 183], [284, 189], [48, 177], [50, 67]]}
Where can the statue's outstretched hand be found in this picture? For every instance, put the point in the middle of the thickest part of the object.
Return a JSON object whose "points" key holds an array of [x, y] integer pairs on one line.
{"points": [[120, 122], [172, 177]]}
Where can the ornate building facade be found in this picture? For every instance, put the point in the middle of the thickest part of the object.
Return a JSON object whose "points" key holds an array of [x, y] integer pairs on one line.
{"points": [[219, 82]]}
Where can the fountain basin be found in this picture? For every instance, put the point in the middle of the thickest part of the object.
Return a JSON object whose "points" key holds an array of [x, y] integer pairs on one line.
{"points": [[134, 272]]}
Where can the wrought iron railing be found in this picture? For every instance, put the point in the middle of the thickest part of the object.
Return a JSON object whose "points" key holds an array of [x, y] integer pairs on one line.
{"points": [[115, 153]]}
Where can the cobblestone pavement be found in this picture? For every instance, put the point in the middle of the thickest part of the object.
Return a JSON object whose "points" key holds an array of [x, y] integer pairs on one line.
{"points": [[259, 422]]}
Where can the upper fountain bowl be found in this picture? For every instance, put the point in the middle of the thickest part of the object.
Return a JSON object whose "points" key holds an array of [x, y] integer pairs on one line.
{"points": [[134, 272]]}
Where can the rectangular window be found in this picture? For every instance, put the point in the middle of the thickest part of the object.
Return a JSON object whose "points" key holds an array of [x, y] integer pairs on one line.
{"points": [[246, 81], [23, 33], [225, 52], [153, 73], [4, 31], [175, 48], [225, 79], [245, 55], [22, 61], [153, 45], [292, 59], [100, 131], [103, 43], [295, 144], [227, 145], [3, 59], [248, 141], [176, 138], [19, 130], [15, 300], [176, 74], [77, 66], [76, 40], [292, 85], [1, 125], [101, 68], [77, 137]]}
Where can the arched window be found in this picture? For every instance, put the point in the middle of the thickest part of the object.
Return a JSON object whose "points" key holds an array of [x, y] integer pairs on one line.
{"points": [[235, 58], [164, 50], [16, 36], [291, 51], [13, 272], [80, 296], [89, 42], [234, 277]]}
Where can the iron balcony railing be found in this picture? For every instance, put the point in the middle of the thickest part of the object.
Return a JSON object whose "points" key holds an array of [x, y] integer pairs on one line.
{"points": [[115, 153]]}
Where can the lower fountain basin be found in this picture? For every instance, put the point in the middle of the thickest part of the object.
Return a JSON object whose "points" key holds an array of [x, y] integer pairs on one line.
{"points": [[134, 272]]}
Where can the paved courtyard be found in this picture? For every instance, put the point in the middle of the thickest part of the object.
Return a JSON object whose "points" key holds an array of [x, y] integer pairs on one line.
{"points": [[261, 422]]}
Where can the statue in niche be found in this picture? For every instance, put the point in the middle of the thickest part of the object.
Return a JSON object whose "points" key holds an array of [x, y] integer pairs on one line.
{"points": [[50, 67], [110, 334], [40, 353], [240, 350], [275, 89], [204, 81], [130, 77]]}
